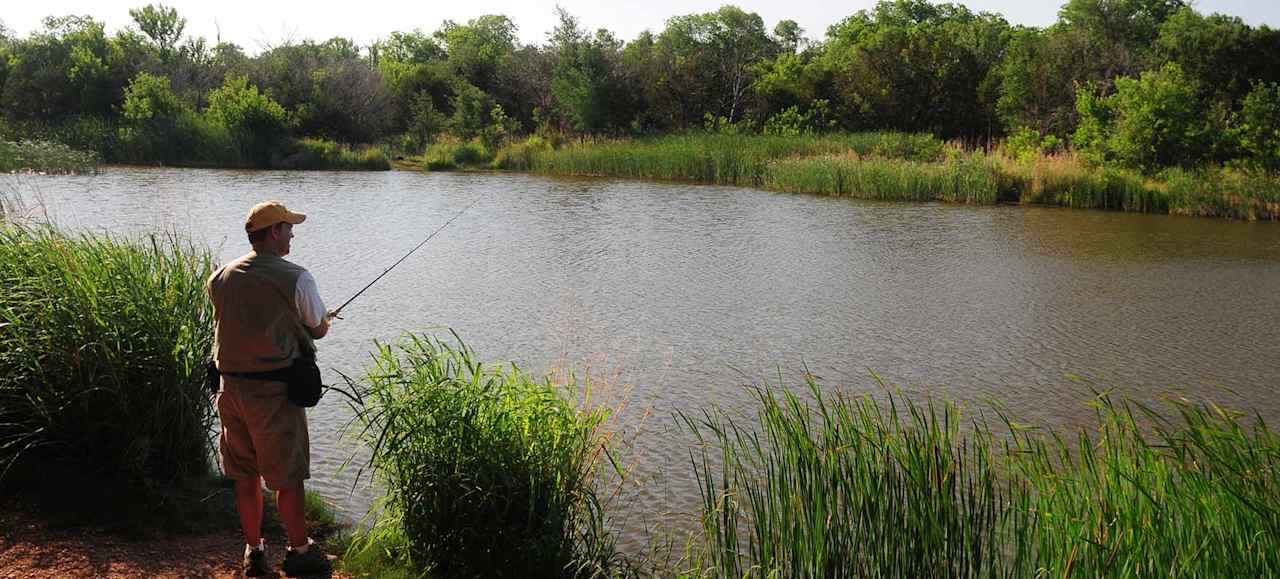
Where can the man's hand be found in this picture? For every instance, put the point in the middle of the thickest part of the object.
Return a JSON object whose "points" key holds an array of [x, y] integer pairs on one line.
{"points": [[333, 315]]}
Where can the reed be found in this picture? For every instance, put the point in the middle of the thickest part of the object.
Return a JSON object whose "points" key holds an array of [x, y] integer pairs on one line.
{"points": [[102, 344], [960, 181], [1188, 491], [319, 154], [716, 158], [850, 487], [845, 487], [488, 471], [45, 157], [1236, 193]]}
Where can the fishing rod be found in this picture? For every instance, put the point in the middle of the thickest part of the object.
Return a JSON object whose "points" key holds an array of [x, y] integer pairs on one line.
{"points": [[334, 313]]}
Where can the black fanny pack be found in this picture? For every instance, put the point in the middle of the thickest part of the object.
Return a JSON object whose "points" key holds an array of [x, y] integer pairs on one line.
{"points": [[303, 378]]}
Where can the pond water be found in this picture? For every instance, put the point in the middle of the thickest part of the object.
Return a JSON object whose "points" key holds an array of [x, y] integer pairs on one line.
{"points": [[679, 295]]}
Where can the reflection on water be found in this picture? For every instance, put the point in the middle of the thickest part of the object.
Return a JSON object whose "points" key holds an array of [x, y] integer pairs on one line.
{"points": [[691, 291]]}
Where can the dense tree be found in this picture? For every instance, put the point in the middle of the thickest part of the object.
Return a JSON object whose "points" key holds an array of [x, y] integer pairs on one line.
{"points": [[711, 60], [1222, 53], [912, 65], [588, 92], [1146, 83]]}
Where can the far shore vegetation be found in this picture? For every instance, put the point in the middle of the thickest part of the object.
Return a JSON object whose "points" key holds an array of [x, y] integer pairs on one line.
{"points": [[1140, 105], [490, 470]]}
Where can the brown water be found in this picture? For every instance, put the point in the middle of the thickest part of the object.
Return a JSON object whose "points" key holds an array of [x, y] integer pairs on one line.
{"points": [[689, 292]]}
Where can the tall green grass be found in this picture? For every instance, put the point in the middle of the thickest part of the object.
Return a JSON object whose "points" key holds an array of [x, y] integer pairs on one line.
{"points": [[1191, 490], [717, 158], [904, 167], [44, 157], [489, 472], [102, 344], [960, 181], [849, 487]]}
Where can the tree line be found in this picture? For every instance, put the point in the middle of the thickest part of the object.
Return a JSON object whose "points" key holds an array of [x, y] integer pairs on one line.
{"points": [[1143, 83]]}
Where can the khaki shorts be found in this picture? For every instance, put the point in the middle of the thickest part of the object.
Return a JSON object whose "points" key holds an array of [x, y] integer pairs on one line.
{"points": [[263, 434]]}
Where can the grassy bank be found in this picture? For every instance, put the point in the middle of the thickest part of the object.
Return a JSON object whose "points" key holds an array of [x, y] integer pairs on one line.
{"points": [[902, 167], [102, 345], [44, 157], [904, 489], [489, 472]]}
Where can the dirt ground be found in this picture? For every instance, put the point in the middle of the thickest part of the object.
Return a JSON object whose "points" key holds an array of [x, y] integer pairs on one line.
{"points": [[30, 548]]}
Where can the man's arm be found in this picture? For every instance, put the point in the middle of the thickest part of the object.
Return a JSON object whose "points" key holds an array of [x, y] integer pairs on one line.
{"points": [[310, 307], [320, 330]]}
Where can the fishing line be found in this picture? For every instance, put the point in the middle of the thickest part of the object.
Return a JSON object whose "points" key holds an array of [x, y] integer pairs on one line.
{"points": [[335, 313]]}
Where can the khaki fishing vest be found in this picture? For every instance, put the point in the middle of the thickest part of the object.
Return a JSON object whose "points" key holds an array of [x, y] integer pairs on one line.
{"points": [[256, 325]]}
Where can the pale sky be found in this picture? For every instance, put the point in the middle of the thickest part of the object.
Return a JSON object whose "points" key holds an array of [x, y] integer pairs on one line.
{"points": [[254, 24]]}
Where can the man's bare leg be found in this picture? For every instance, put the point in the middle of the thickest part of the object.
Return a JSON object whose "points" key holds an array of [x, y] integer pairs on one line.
{"points": [[292, 502], [249, 504]]}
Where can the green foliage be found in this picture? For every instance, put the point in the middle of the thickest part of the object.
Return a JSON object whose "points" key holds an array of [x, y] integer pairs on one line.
{"points": [[1258, 126], [162, 25], [1027, 144], [59, 73], [914, 66], [790, 122], [158, 126], [585, 82], [712, 57], [1152, 122], [257, 125], [102, 349], [479, 49], [489, 471]]}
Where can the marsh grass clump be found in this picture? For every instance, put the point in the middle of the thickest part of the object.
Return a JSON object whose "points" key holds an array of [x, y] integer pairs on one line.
{"points": [[1188, 491], [488, 471], [845, 487], [102, 349], [850, 487], [450, 153], [724, 159], [319, 154], [960, 181], [45, 157]]}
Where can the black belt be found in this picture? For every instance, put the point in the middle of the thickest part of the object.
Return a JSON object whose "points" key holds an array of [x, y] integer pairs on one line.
{"points": [[281, 375]]}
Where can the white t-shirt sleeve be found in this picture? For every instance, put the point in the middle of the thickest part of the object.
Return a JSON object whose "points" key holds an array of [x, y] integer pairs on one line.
{"points": [[307, 296]]}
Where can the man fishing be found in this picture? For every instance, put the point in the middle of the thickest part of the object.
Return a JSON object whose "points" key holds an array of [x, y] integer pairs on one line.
{"points": [[266, 313]]}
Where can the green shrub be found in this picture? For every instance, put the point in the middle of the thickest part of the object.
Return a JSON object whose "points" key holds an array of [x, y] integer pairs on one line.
{"points": [[489, 472], [102, 349], [257, 125], [1150, 123]]}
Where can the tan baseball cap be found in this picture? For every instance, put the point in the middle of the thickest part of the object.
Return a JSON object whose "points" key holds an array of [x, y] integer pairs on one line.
{"points": [[270, 213]]}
